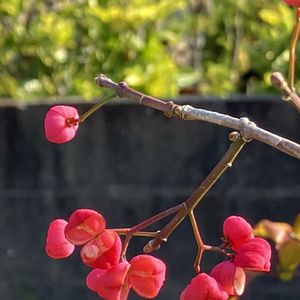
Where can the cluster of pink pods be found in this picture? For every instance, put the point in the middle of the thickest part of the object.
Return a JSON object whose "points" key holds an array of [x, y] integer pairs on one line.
{"points": [[111, 277], [228, 278]]}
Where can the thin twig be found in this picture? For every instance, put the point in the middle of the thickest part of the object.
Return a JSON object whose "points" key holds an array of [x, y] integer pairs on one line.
{"points": [[199, 241], [289, 94], [124, 91], [137, 228], [293, 47], [124, 231], [188, 112], [96, 107]]}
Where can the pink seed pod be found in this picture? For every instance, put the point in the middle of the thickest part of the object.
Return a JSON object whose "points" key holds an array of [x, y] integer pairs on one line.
{"points": [[84, 224], [110, 284], [231, 277], [254, 255], [56, 245], [103, 251], [146, 275], [292, 2], [203, 287], [61, 123], [237, 231]]}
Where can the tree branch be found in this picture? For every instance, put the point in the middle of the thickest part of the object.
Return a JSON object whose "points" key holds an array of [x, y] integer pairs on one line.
{"points": [[186, 112]]}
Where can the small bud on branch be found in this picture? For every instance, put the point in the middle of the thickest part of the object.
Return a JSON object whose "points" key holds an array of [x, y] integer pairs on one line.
{"points": [[288, 94]]}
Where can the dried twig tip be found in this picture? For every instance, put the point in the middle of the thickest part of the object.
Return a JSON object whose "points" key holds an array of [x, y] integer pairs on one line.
{"points": [[278, 80], [99, 79]]}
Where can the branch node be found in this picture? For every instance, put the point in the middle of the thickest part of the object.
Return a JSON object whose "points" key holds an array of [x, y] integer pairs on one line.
{"points": [[123, 84], [183, 112], [178, 111], [171, 107], [245, 124], [141, 99]]}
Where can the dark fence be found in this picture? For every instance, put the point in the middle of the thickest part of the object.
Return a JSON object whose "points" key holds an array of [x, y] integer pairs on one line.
{"points": [[130, 162]]}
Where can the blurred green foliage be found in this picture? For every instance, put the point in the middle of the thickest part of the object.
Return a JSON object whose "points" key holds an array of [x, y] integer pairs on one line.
{"points": [[286, 239], [161, 47]]}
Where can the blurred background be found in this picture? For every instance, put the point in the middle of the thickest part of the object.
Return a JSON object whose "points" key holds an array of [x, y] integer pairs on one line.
{"points": [[130, 162], [162, 47]]}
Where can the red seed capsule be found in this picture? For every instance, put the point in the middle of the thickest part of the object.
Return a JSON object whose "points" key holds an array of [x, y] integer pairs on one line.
{"points": [[203, 287], [61, 123], [84, 224], [254, 255], [237, 231], [110, 284], [57, 246], [231, 277], [146, 275], [103, 251]]}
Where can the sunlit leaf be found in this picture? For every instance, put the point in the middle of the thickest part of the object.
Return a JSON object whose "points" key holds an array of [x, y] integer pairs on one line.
{"points": [[296, 227], [276, 231]]}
